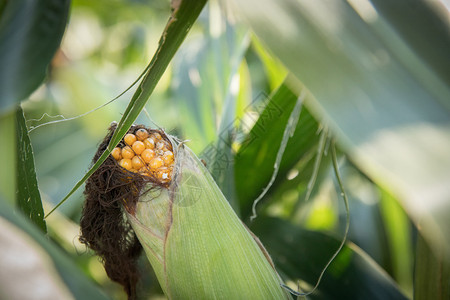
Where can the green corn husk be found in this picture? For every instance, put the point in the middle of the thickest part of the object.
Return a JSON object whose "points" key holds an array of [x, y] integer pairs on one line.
{"points": [[196, 244]]}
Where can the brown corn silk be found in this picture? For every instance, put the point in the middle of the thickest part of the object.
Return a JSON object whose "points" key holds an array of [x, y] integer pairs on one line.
{"points": [[104, 227]]}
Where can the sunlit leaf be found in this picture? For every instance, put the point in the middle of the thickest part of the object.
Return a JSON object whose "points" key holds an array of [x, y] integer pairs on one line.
{"points": [[398, 230], [260, 147], [275, 71], [380, 84], [206, 83], [203, 71]]}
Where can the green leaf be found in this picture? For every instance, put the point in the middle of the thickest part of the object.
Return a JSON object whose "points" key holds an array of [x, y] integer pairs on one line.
{"points": [[432, 272], [380, 85], [183, 16], [429, 23], [206, 78], [28, 197], [50, 257], [8, 172], [202, 75], [399, 234], [275, 71], [30, 33], [199, 247], [288, 132], [302, 254], [260, 147]]}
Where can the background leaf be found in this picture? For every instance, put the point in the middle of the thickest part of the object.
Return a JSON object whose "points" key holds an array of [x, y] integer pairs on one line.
{"points": [[30, 33], [300, 253], [202, 75], [432, 273], [8, 146], [430, 23], [387, 102], [207, 75], [105, 48], [76, 282], [259, 149]]}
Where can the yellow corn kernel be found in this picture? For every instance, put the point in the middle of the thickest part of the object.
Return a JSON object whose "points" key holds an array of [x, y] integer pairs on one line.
{"points": [[137, 162], [138, 147], [149, 143], [141, 134], [117, 153], [126, 163], [129, 139], [156, 136], [147, 155], [156, 162], [168, 157], [127, 152]]}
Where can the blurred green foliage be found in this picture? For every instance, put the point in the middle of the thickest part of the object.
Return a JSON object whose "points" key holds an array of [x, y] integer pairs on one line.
{"points": [[228, 93]]}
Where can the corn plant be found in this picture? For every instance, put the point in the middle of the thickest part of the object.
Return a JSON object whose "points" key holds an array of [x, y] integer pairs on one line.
{"points": [[229, 149]]}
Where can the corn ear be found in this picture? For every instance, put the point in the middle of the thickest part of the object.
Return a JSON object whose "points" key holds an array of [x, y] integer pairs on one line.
{"points": [[196, 244]]}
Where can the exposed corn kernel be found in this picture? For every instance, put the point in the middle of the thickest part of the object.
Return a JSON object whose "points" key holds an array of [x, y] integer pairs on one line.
{"points": [[149, 143], [117, 153], [156, 136], [147, 155], [138, 147], [137, 162], [156, 162], [129, 139], [127, 152], [141, 134], [168, 157], [126, 163]]}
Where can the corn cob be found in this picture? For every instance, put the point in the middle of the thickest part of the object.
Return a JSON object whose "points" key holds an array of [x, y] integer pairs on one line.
{"points": [[197, 246]]}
